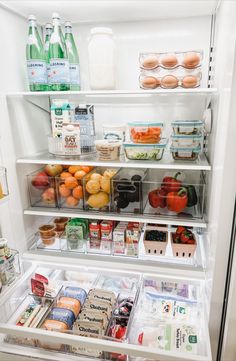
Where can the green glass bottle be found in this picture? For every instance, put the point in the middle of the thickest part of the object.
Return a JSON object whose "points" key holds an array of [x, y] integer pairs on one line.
{"points": [[48, 33], [73, 58], [58, 59], [36, 62]]}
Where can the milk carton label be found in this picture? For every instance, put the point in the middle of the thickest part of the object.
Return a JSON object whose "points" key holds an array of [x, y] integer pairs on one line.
{"points": [[37, 71], [59, 71]]}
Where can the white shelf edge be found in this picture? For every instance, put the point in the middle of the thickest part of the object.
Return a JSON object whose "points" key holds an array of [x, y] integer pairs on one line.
{"points": [[179, 91], [39, 211], [165, 163]]}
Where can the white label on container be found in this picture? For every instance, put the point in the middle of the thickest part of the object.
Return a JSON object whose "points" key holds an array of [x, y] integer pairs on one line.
{"points": [[185, 154], [184, 129], [59, 71], [37, 72], [74, 74]]}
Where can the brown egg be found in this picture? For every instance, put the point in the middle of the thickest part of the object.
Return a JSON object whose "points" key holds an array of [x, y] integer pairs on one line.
{"points": [[150, 82], [169, 82], [150, 63], [189, 81], [191, 60], [169, 61]]}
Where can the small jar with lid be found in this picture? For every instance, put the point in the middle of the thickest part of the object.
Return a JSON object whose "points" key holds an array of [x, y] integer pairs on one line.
{"points": [[101, 55]]}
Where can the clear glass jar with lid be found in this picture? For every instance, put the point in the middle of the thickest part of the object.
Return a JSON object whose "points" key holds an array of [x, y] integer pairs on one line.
{"points": [[101, 55]]}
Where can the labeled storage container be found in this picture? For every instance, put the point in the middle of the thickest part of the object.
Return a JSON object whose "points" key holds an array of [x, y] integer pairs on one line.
{"points": [[3, 183], [155, 242], [108, 149], [42, 189], [187, 141], [134, 151], [127, 190], [185, 153], [145, 132], [97, 188], [183, 250], [188, 127]]}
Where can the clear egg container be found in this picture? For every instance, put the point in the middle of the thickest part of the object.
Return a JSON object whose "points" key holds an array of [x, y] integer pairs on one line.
{"points": [[170, 60], [170, 79]]}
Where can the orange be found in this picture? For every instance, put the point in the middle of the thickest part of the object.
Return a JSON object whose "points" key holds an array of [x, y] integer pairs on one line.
{"points": [[79, 174], [71, 182], [65, 166], [71, 201], [65, 175], [85, 168], [73, 168], [64, 192], [78, 192]]}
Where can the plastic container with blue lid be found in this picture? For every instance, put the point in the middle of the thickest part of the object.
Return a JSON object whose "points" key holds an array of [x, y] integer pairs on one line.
{"points": [[183, 140], [187, 126], [145, 132], [185, 153], [134, 151]]}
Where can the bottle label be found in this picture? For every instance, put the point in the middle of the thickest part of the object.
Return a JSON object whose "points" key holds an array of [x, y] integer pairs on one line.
{"points": [[59, 71], [74, 74], [37, 72]]}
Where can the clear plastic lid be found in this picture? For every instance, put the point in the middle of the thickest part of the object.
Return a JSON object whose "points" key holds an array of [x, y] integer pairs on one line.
{"points": [[186, 136], [187, 123], [145, 124], [160, 145], [185, 149]]}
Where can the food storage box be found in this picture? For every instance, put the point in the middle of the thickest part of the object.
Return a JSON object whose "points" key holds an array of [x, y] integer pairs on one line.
{"points": [[114, 132], [170, 60], [145, 132], [3, 183], [97, 188], [134, 151], [127, 190], [155, 242], [182, 249], [42, 189], [108, 149], [185, 153], [187, 141], [187, 126], [51, 242], [69, 192]]}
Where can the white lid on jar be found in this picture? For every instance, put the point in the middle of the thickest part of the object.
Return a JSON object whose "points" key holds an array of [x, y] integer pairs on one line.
{"points": [[31, 17], [55, 16], [68, 24], [101, 30], [48, 26]]}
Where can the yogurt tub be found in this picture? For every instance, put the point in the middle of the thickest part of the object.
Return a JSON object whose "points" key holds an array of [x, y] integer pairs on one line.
{"points": [[144, 151], [191, 141], [187, 153], [187, 127], [108, 149], [114, 132]]}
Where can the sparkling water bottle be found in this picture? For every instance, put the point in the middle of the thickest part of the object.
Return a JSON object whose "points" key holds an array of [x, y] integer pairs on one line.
{"points": [[36, 62], [58, 60], [73, 58], [48, 32]]}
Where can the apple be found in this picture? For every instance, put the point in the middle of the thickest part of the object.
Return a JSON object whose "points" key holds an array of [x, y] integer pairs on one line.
{"points": [[53, 169], [49, 196], [40, 180]]}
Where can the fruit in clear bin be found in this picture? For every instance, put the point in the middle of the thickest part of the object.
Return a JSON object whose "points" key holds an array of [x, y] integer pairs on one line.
{"points": [[49, 196], [79, 174], [109, 173], [40, 181], [71, 201], [78, 192], [92, 186], [65, 175], [74, 168], [53, 169], [63, 191], [96, 177], [71, 182], [98, 200], [105, 184], [85, 168]]}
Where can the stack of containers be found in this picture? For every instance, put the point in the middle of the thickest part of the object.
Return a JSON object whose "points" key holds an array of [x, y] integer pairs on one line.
{"points": [[187, 139], [170, 70], [146, 142]]}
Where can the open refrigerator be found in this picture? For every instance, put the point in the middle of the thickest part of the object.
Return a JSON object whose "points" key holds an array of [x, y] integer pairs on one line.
{"points": [[138, 26]]}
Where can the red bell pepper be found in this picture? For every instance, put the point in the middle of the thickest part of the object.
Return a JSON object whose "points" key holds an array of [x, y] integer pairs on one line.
{"points": [[157, 198], [171, 184], [177, 201]]}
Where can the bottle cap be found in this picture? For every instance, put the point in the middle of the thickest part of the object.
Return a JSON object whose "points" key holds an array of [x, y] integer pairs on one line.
{"points": [[31, 17], [48, 26], [55, 16], [68, 24], [100, 30]]}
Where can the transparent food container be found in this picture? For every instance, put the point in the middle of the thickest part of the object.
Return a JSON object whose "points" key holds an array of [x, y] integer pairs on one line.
{"points": [[186, 141], [187, 126], [69, 192], [185, 153], [145, 132], [135, 151]]}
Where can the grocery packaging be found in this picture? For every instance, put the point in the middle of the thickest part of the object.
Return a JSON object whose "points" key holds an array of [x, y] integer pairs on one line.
{"points": [[188, 127], [145, 132], [84, 116], [188, 59], [134, 151], [114, 132], [61, 114], [76, 234], [108, 149], [185, 153]]}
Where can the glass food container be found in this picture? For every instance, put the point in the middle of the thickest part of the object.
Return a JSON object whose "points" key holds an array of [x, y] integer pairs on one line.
{"points": [[145, 132], [188, 127], [135, 151]]}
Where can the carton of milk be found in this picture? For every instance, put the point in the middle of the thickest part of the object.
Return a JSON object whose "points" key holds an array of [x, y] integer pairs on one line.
{"points": [[61, 115]]}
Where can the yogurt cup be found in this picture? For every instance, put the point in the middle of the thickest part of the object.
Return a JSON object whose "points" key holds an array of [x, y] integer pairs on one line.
{"points": [[108, 149]]}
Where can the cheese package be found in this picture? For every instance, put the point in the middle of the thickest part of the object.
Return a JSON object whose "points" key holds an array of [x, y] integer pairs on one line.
{"points": [[102, 295], [70, 304], [75, 292]]}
